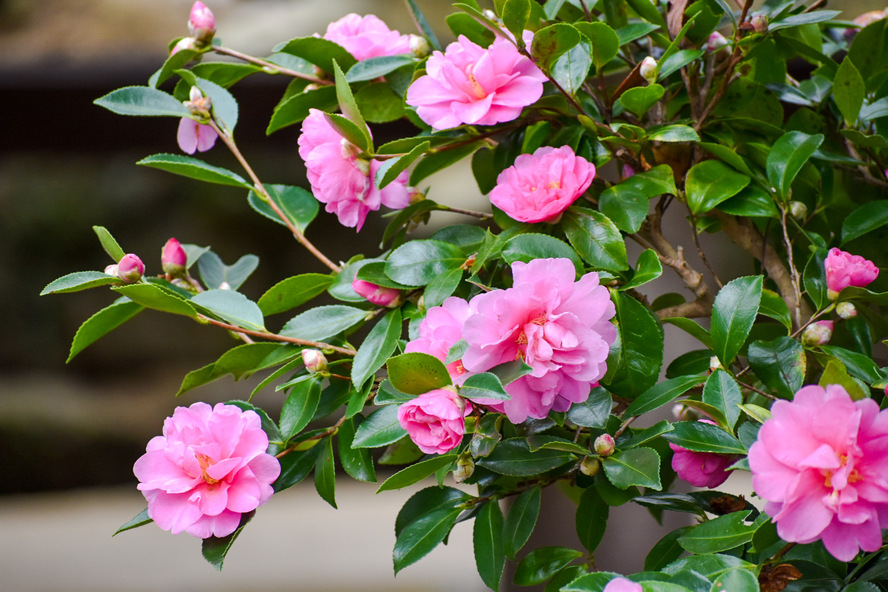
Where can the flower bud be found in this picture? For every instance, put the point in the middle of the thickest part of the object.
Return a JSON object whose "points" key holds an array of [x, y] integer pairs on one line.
{"points": [[846, 310], [387, 297], [173, 258], [130, 268], [604, 445], [465, 466], [798, 210], [419, 46], [715, 364], [590, 466], [648, 69], [681, 412], [315, 361], [716, 41], [759, 23], [111, 270], [183, 43], [818, 333], [202, 23]]}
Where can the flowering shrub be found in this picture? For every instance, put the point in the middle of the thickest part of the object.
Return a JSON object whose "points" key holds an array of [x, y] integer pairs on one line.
{"points": [[526, 348]]}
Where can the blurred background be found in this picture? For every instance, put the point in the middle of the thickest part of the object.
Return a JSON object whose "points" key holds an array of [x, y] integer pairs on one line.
{"points": [[70, 433]]}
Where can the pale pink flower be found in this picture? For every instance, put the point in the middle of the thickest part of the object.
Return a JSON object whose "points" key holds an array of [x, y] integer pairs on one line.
{"points": [[540, 186], [435, 420], [560, 327], [622, 585], [844, 269], [474, 85], [701, 469], [367, 37], [173, 258], [130, 268], [378, 295], [342, 180], [439, 331], [821, 462], [195, 137], [207, 469]]}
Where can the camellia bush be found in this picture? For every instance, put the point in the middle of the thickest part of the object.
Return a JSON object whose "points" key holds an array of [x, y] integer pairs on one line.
{"points": [[524, 349]]}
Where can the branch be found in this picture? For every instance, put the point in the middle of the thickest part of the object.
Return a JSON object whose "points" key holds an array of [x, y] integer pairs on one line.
{"points": [[275, 337], [269, 67]]}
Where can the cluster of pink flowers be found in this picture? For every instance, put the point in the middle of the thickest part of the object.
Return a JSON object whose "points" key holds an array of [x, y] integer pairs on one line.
{"points": [[844, 269], [821, 462], [701, 469], [208, 468], [366, 37]]}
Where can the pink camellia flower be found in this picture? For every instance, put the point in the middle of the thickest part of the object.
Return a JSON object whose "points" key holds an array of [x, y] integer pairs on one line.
{"points": [[367, 37], [208, 468], [439, 331], [130, 268], [474, 85], [342, 180], [201, 21], [560, 327], [540, 186], [378, 295], [195, 137], [435, 420], [844, 269], [622, 585], [821, 462], [701, 469], [173, 258]]}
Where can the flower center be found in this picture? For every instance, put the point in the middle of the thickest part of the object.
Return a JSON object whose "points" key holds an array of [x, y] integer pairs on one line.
{"points": [[477, 90], [205, 463], [850, 476]]}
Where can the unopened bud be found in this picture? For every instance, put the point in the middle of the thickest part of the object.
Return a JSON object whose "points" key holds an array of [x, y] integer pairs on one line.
{"points": [[315, 361], [489, 14], [224, 286], [465, 466], [604, 445], [628, 171], [759, 23], [130, 268], [818, 333], [715, 364], [648, 69], [590, 466], [378, 295], [202, 23], [846, 310], [419, 46], [111, 270], [173, 258], [716, 41], [681, 412], [798, 210], [416, 196], [183, 43]]}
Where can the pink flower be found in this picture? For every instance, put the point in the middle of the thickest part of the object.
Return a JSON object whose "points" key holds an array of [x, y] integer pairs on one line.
{"points": [[130, 268], [844, 269], [622, 585], [378, 295], [821, 462], [474, 85], [439, 331], [173, 258], [367, 37], [540, 186], [342, 180], [193, 136], [558, 326], [434, 420], [208, 468], [701, 469]]}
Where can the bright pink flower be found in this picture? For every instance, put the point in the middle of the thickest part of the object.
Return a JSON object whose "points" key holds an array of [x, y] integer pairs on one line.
{"points": [[173, 258], [378, 295], [342, 180], [474, 85], [130, 268], [821, 462], [540, 186], [701, 469], [435, 420], [844, 269], [208, 468], [195, 137], [558, 326], [439, 331], [367, 37], [201, 19], [622, 585]]}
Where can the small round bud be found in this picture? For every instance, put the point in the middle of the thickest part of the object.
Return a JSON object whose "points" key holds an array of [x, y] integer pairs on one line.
{"points": [[846, 310], [590, 466], [715, 364], [680, 412], [387, 297], [465, 466], [759, 23], [130, 268], [111, 269], [648, 69], [183, 43], [489, 14], [798, 210], [315, 361], [173, 258], [818, 333], [202, 23], [419, 46], [716, 41], [604, 445]]}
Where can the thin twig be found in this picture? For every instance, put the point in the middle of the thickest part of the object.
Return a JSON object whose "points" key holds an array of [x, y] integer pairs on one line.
{"points": [[269, 67], [275, 337]]}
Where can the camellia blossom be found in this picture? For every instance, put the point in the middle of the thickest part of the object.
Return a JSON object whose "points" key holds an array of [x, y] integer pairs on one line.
{"points": [[435, 420], [821, 462], [342, 180], [474, 85], [207, 469], [367, 37], [378, 295], [844, 269], [622, 585], [701, 469], [560, 327], [130, 268], [439, 331], [195, 137], [540, 186]]}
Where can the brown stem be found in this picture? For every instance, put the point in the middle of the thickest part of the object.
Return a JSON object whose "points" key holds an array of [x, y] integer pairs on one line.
{"points": [[268, 66], [328, 432], [755, 390], [275, 337]]}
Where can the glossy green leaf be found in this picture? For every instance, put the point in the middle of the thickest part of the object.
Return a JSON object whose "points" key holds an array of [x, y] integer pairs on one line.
{"points": [[722, 392], [515, 14], [773, 306], [142, 100], [641, 437], [849, 91], [640, 99], [673, 133], [665, 551], [432, 163], [711, 182], [294, 108], [423, 24], [357, 462], [487, 538], [214, 549], [733, 314], [737, 580], [320, 52], [297, 204], [521, 520], [859, 365], [380, 429], [661, 394], [641, 347], [805, 18], [416, 373], [215, 274], [698, 436], [325, 472], [647, 10], [835, 373], [232, 307], [350, 131], [692, 328], [109, 243], [572, 67], [417, 472], [293, 291], [418, 538], [194, 168], [513, 457], [140, 519], [718, 534], [300, 407], [527, 247], [391, 168], [79, 280], [418, 262], [151, 296], [295, 467], [780, 364], [240, 361], [484, 385], [864, 220], [550, 43], [323, 322], [373, 68], [102, 323], [605, 42], [591, 519], [594, 411], [787, 157], [625, 205], [596, 239], [379, 344], [637, 466], [541, 564]]}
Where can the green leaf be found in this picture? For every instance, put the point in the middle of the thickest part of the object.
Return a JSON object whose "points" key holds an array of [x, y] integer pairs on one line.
{"points": [[416, 373], [109, 243], [640, 99], [806, 18], [350, 131], [484, 385], [718, 534], [637, 466], [864, 220], [625, 205], [676, 61], [292, 292], [140, 519], [591, 519], [418, 538], [692, 328], [849, 91], [225, 108], [442, 287], [641, 349], [231, 306], [215, 549], [661, 394], [722, 392], [391, 168], [151, 296], [298, 205], [733, 314], [487, 537], [357, 462], [215, 273], [295, 467], [142, 100], [711, 182], [79, 280], [857, 364], [293, 109], [379, 103], [418, 262], [417, 472], [594, 411], [102, 323], [436, 161], [780, 364], [737, 580], [541, 564], [513, 457], [377, 347], [323, 322], [530, 246], [194, 168], [300, 407], [426, 501], [325, 472], [240, 361], [703, 437], [320, 52], [380, 429], [665, 551], [647, 10], [521, 520], [673, 133], [605, 42], [596, 239], [515, 14], [773, 306], [373, 68], [787, 157], [550, 43]]}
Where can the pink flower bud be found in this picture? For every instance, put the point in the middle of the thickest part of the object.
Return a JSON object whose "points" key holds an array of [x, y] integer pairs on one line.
{"points": [[130, 268], [314, 360], [387, 297], [202, 23], [846, 310], [759, 23], [183, 43], [818, 333], [648, 69], [716, 41], [604, 445], [173, 258]]}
